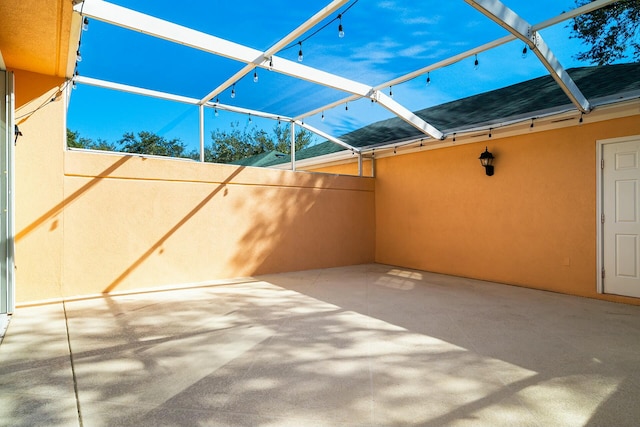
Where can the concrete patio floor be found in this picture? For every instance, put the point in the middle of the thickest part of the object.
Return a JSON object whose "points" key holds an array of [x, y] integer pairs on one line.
{"points": [[368, 345]]}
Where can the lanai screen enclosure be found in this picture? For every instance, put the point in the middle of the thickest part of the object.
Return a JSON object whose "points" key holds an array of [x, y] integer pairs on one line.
{"points": [[351, 63]]}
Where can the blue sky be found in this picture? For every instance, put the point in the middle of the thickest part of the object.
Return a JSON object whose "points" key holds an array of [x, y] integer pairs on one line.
{"points": [[384, 39]]}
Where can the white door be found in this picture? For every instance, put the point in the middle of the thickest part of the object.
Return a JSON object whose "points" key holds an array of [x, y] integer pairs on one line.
{"points": [[621, 226]]}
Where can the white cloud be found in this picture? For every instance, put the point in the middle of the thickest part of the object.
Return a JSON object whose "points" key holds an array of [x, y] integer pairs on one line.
{"points": [[388, 5], [425, 50], [412, 51], [407, 15], [363, 66], [377, 52], [421, 20], [433, 54]]}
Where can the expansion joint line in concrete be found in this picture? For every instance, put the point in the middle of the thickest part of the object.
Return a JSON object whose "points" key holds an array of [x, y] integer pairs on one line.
{"points": [[73, 369]]}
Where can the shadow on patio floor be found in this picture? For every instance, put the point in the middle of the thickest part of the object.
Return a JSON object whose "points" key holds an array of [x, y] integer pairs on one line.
{"points": [[354, 346]]}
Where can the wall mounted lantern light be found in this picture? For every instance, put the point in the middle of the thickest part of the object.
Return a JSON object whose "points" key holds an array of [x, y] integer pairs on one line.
{"points": [[486, 159]]}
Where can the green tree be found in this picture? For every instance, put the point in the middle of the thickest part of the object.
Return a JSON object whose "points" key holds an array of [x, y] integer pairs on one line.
{"points": [[74, 140], [103, 145], [283, 138], [226, 145], [150, 143], [610, 32], [236, 143]]}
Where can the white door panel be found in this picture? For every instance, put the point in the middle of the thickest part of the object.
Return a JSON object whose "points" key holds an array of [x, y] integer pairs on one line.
{"points": [[626, 255], [621, 228], [626, 201]]}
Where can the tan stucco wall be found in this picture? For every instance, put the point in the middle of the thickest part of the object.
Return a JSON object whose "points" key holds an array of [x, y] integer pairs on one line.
{"points": [[39, 186], [532, 224], [134, 222]]}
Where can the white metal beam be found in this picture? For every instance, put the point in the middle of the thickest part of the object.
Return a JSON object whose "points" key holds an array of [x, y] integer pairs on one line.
{"points": [[136, 21], [240, 110], [282, 43], [565, 16], [512, 22], [171, 97], [408, 116], [293, 146], [201, 119], [327, 136], [135, 90], [587, 8]]}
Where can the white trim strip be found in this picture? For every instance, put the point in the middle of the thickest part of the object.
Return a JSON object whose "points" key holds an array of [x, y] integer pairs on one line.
{"points": [[240, 110]]}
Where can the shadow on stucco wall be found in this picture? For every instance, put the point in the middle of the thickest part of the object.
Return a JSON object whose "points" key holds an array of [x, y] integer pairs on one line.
{"points": [[316, 224]]}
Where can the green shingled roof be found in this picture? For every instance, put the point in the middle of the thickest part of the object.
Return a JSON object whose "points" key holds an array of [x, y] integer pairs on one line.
{"points": [[520, 100], [263, 159]]}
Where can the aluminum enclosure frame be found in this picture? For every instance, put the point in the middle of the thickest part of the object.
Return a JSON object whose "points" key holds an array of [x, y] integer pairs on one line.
{"points": [[155, 27], [492, 9], [594, 5]]}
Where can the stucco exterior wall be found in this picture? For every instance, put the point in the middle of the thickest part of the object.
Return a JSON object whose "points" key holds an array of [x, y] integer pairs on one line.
{"points": [[39, 186], [531, 224], [133, 222]]}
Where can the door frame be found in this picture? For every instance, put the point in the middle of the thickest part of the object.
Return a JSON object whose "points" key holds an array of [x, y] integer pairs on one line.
{"points": [[600, 203], [7, 201]]}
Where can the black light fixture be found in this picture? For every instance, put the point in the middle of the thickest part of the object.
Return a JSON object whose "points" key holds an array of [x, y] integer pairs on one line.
{"points": [[17, 133], [486, 159]]}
